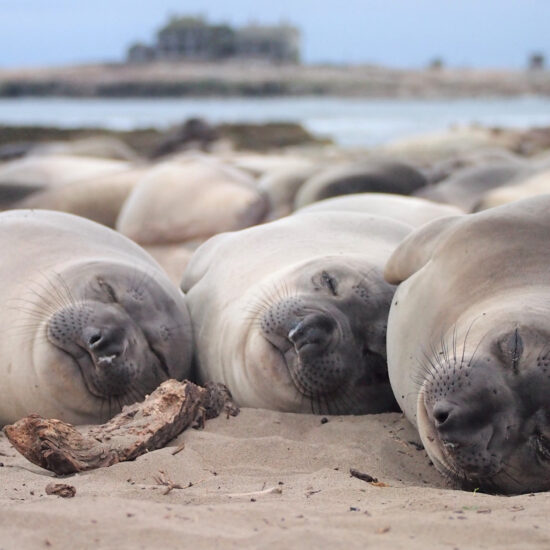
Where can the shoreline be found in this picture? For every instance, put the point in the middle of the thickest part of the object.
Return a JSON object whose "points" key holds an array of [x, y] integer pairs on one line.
{"points": [[262, 80], [145, 141]]}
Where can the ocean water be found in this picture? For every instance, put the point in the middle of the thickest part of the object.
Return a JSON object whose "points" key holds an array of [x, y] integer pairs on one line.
{"points": [[349, 122]]}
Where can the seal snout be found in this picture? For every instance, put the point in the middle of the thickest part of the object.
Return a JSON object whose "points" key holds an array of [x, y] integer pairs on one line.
{"points": [[312, 334], [98, 336], [104, 344], [457, 424], [464, 414]]}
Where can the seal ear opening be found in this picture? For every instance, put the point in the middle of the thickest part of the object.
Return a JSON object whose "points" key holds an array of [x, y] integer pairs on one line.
{"points": [[416, 250], [510, 348]]}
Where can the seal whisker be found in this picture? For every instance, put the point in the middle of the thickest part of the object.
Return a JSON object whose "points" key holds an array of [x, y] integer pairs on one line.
{"points": [[47, 296], [454, 342], [68, 297], [466, 338], [39, 304], [38, 314], [62, 300]]}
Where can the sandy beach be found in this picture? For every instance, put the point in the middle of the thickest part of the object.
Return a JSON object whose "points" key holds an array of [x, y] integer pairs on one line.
{"points": [[268, 480]]}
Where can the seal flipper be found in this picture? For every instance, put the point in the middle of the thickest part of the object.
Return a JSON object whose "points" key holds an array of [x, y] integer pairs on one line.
{"points": [[418, 248]]}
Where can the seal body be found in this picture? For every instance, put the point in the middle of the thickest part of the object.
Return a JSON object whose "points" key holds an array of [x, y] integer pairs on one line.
{"points": [[89, 320], [192, 199], [537, 184], [280, 186], [363, 177], [291, 315], [23, 177], [410, 210], [467, 186], [468, 344], [99, 199]]}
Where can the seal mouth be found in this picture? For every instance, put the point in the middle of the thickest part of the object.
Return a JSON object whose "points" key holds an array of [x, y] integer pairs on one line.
{"points": [[111, 374]]}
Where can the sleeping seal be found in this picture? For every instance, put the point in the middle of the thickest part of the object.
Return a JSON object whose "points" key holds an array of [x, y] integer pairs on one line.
{"points": [[467, 186], [89, 320], [371, 176], [193, 198], [537, 184], [291, 315], [20, 178], [469, 344], [410, 210]]}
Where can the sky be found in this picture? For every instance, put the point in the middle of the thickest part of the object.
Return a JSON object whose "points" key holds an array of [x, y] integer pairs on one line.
{"points": [[398, 33]]}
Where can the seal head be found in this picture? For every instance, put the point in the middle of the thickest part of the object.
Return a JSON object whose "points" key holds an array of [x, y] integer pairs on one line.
{"points": [[329, 334], [123, 332], [485, 416]]}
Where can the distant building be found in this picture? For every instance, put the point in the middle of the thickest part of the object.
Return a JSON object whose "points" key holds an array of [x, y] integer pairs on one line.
{"points": [[536, 61], [194, 39], [277, 43], [140, 53], [436, 64]]}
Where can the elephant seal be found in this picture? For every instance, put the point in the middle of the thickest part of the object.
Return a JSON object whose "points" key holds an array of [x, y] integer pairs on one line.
{"points": [[361, 177], [468, 344], [101, 147], [99, 198], [537, 184], [291, 315], [440, 145], [188, 200], [444, 169], [280, 187], [20, 178], [173, 258], [410, 210], [466, 187], [89, 320]]}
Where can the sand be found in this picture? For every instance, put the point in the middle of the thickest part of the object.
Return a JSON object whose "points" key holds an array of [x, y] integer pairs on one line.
{"points": [[309, 499]]}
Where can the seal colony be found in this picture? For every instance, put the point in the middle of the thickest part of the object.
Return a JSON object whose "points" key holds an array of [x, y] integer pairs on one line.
{"points": [[89, 321], [291, 314]]}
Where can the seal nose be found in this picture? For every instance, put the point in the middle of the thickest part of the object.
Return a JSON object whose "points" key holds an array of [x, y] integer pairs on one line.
{"points": [[442, 412], [104, 344], [456, 423], [312, 333], [94, 339]]}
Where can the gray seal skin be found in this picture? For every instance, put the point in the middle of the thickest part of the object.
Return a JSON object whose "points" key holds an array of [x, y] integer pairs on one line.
{"points": [[89, 320], [373, 176], [291, 315], [469, 344]]}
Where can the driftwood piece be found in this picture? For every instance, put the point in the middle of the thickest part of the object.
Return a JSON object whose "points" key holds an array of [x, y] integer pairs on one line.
{"points": [[61, 490], [139, 428]]}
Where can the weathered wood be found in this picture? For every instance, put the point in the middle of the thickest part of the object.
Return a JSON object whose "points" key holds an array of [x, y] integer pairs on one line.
{"points": [[61, 490], [139, 428]]}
